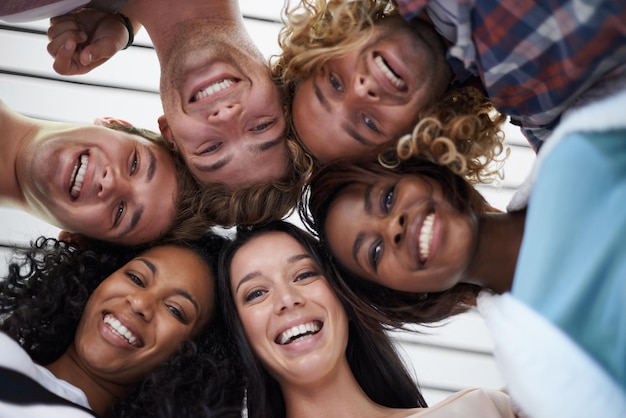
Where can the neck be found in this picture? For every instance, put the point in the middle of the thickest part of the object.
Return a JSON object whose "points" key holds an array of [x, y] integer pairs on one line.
{"points": [[101, 394], [16, 132], [498, 244], [162, 17], [337, 395]]}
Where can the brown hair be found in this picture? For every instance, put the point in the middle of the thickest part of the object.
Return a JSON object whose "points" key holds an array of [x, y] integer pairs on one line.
{"points": [[371, 300], [259, 203], [200, 207]]}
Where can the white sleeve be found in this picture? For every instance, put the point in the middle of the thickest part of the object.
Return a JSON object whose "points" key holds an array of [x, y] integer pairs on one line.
{"points": [[546, 373]]}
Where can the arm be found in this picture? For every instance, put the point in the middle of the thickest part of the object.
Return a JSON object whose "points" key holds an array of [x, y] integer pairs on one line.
{"points": [[82, 40]]}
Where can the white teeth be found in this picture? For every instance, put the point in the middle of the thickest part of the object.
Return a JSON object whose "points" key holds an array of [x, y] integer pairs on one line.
{"points": [[119, 329], [393, 78], [212, 89], [78, 174], [426, 235], [298, 332]]}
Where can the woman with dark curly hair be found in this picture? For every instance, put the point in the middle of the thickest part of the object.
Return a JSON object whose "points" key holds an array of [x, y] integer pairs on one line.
{"points": [[356, 75], [115, 333]]}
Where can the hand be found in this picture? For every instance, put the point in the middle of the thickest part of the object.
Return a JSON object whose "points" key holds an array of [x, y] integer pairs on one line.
{"points": [[82, 40]]}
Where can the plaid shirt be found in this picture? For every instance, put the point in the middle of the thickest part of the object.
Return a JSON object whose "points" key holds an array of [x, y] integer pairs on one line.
{"points": [[535, 58]]}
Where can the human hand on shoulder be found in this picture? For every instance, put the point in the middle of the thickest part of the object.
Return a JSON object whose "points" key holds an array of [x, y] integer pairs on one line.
{"points": [[83, 40]]}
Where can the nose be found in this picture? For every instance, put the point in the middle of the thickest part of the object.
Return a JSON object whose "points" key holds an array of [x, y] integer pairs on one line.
{"points": [[140, 304], [365, 87], [225, 112], [107, 182], [111, 183], [395, 228], [288, 298]]}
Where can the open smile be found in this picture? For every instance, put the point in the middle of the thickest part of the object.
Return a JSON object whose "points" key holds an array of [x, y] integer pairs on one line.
{"points": [[422, 233], [392, 76], [299, 332], [212, 90], [426, 237], [78, 175], [121, 330]]}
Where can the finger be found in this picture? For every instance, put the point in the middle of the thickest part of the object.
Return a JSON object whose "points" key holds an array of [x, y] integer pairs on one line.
{"points": [[66, 25], [86, 56], [60, 41], [100, 50], [63, 61]]}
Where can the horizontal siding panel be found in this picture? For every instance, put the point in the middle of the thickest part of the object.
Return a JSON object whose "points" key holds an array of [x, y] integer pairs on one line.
{"points": [[40, 98], [464, 332], [451, 370]]}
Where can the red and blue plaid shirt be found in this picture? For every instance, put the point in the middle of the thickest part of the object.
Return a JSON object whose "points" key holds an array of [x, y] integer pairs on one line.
{"points": [[535, 58]]}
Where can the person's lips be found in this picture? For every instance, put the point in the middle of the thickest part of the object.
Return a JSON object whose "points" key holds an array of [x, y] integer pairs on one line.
{"points": [[389, 73], [78, 175]]}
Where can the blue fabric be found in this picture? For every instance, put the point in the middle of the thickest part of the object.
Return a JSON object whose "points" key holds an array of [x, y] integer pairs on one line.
{"points": [[572, 264]]}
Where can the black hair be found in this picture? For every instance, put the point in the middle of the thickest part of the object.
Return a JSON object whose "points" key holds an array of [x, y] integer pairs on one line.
{"points": [[370, 300], [371, 354], [42, 300]]}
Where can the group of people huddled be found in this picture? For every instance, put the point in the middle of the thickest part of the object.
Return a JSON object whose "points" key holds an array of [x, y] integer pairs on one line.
{"points": [[374, 124]]}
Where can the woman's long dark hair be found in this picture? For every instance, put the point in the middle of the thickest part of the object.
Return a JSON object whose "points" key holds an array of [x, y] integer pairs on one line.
{"points": [[42, 300], [370, 352], [371, 301]]}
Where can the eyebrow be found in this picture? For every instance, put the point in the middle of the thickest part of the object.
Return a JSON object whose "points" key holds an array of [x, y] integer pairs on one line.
{"points": [[321, 98], [178, 291], [356, 136], [134, 221], [349, 130], [152, 166], [367, 207], [256, 148], [216, 166], [269, 144], [257, 273], [187, 296], [246, 278], [297, 257]]}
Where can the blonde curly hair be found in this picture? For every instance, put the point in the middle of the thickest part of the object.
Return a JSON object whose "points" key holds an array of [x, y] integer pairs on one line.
{"points": [[463, 132], [316, 31]]}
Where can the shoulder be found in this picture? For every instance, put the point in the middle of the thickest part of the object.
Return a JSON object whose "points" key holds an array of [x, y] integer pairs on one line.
{"points": [[471, 403], [14, 357]]}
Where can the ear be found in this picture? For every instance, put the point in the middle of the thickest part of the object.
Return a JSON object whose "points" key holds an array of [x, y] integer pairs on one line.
{"points": [[107, 120], [77, 240], [166, 132]]}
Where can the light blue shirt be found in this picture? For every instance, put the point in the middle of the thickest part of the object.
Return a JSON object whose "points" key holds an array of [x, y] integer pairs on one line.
{"points": [[572, 264]]}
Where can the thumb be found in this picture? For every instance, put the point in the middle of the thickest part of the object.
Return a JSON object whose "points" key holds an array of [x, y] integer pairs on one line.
{"points": [[100, 50]]}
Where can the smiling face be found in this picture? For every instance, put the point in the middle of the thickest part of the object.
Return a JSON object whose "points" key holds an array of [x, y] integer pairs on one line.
{"points": [[139, 316], [292, 318], [100, 182], [222, 110], [400, 233], [373, 94]]}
